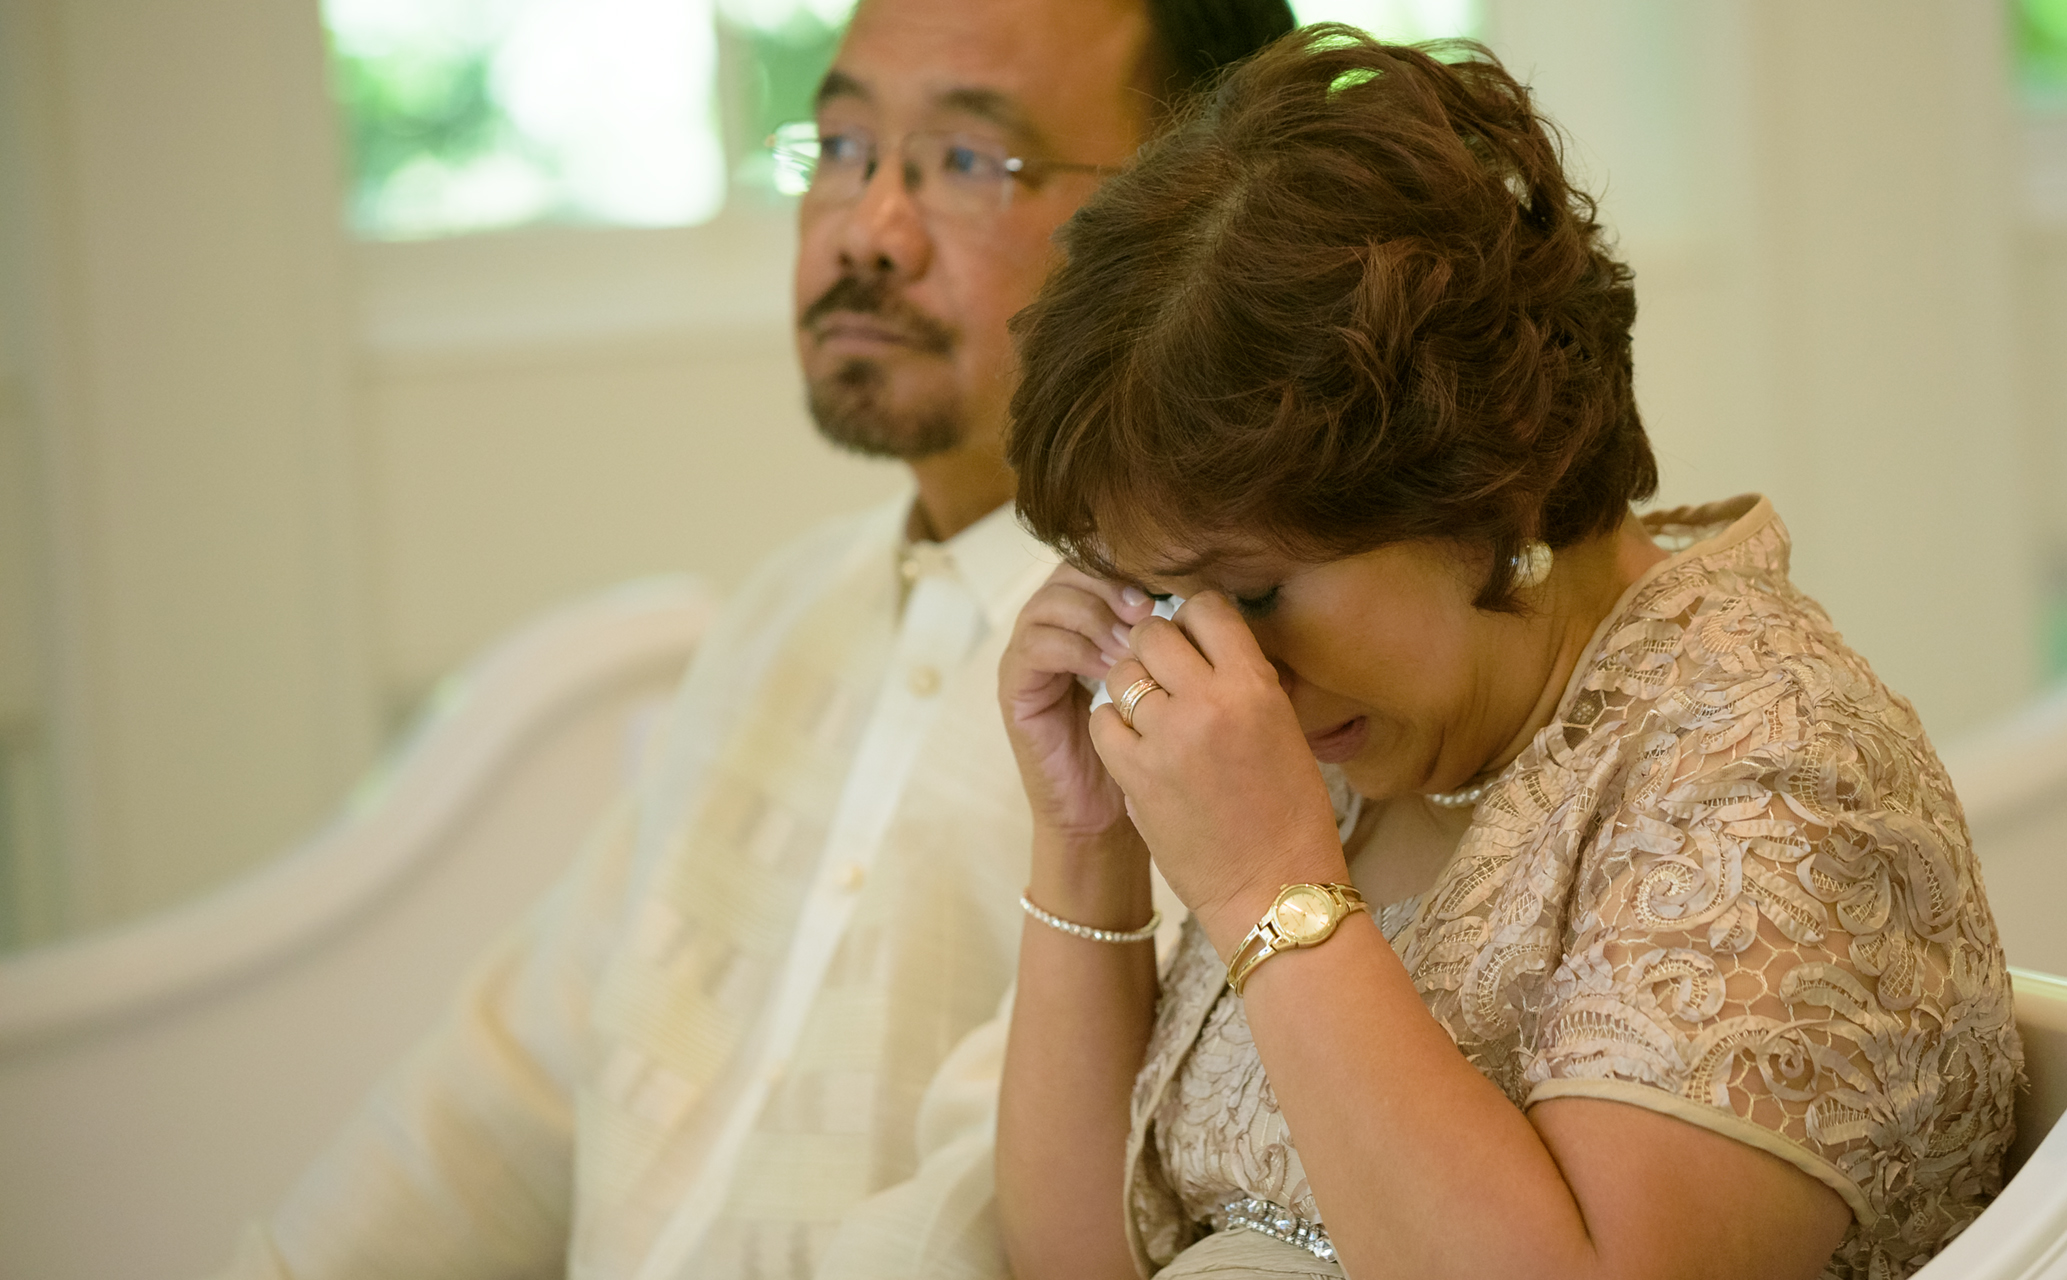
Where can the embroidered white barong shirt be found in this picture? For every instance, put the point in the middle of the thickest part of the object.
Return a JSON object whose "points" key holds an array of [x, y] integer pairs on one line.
{"points": [[707, 1052]]}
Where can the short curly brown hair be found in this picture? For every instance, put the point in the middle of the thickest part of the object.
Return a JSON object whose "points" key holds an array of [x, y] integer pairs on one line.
{"points": [[1348, 299]]}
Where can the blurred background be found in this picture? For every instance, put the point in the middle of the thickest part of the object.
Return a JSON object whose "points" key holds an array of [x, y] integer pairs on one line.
{"points": [[337, 341]]}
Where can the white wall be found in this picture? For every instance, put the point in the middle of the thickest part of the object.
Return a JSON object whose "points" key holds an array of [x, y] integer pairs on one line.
{"points": [[2041, 286], [178, 308], [547, 411], [278, 483], [1820, 203]]}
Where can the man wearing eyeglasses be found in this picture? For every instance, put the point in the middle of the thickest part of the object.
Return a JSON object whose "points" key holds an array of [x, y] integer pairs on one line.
{"points": [[752, 1032]]}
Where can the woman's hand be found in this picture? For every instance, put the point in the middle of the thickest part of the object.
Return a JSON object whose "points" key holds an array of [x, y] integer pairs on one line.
{"points": [[1082, 1012], [1219, 778], [1071, 627]]}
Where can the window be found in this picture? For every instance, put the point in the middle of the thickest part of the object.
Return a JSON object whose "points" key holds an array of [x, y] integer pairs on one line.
{"points": [[2040, 31], [472, 115], [469, 115]]}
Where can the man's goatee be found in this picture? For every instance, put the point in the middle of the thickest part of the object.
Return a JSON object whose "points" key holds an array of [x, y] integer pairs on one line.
{"points": [[849, 410]]}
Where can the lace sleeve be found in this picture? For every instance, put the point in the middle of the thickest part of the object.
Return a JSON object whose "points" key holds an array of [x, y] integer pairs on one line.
{"points": [[1777, 934]]}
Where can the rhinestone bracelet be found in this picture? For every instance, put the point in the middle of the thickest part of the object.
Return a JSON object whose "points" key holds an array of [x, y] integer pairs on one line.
{"points": [[1071, 927]]}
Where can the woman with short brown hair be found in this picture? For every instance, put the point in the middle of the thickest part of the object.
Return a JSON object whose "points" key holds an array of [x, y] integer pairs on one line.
{"points": [[1682, 964]]}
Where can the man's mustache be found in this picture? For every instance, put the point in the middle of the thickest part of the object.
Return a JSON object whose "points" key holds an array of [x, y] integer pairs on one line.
{"points": [[855, 296]]}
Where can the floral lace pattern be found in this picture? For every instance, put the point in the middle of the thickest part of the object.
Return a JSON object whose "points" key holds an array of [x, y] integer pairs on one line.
{"points": [[1729, 882]]}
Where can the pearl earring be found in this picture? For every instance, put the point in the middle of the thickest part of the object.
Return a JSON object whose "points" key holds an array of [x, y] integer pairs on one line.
{"points": [[1532, 566]]}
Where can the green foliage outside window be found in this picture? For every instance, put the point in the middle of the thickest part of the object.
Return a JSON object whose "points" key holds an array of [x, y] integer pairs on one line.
{"points": [[468, 115], [2040, 28], [414, 106], [769, 74]]}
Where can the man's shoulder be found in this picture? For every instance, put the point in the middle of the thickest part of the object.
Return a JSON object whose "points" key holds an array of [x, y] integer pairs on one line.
{"points": [[780, 594], [821, 554]]}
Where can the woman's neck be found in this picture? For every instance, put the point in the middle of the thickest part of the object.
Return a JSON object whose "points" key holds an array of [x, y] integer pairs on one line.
{"points": [[1586, 581], [1400, 845]]}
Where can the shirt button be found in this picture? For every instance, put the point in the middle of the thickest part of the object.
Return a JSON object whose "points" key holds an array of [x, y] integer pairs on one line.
{"points": [[924, 681], [851, 876]]}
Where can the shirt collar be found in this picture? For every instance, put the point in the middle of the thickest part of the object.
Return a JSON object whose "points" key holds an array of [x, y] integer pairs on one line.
{"points": [[992, 557]]}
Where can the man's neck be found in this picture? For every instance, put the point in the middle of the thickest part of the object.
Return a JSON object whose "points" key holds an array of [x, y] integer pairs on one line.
{"points": [[956, 489]]}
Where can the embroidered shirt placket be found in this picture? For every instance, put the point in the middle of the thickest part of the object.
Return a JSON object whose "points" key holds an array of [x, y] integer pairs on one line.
{"points": [[943, 620]]}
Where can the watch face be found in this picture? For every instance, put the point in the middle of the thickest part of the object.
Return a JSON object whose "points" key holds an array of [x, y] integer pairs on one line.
{"points": [[1304, 913]]}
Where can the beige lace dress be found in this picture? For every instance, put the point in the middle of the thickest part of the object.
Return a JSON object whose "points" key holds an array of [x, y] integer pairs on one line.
{"points": [[1729, 882]]}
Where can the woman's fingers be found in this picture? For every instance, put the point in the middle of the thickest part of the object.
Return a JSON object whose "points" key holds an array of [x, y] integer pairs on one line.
{"points": [[1129, 603], [1059, 649], [1101, 612], [1162, 646], [1145, 704], [1129, 672], [1205, 655], [1216, 628], [1113, 740]]}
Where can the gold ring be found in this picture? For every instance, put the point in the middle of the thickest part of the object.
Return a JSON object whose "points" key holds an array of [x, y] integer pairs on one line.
{"points": [[1131, 696]]}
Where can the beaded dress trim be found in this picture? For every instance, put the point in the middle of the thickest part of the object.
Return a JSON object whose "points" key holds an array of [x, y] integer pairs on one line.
{"points": [[1249, 1213]]}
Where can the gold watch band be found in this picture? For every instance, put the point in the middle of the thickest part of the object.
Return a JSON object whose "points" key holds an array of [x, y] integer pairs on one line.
{"points": [[1304, 915]]}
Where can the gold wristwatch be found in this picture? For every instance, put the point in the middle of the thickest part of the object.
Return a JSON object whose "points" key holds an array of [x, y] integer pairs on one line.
{"points": [[1304, 915]]}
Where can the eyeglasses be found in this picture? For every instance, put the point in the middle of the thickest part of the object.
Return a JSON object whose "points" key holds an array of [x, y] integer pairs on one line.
{"points": [[951, 174]]}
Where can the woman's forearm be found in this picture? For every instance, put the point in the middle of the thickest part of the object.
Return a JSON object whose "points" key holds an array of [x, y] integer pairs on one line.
{"points": [[1080, 1024], [1464, 1185], [1422, 1167]]}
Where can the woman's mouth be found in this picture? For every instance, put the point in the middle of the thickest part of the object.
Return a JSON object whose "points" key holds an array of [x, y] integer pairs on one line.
{"points": [[1341, 742]]}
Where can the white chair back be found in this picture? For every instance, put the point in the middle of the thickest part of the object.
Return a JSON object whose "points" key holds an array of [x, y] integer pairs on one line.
{"points": [[2023, 1235], [2012, 782], [163, 1083], [2042, 1018]]}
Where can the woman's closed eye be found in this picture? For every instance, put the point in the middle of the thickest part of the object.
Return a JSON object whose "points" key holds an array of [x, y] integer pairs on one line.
{"points": [[1258, 605]]}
